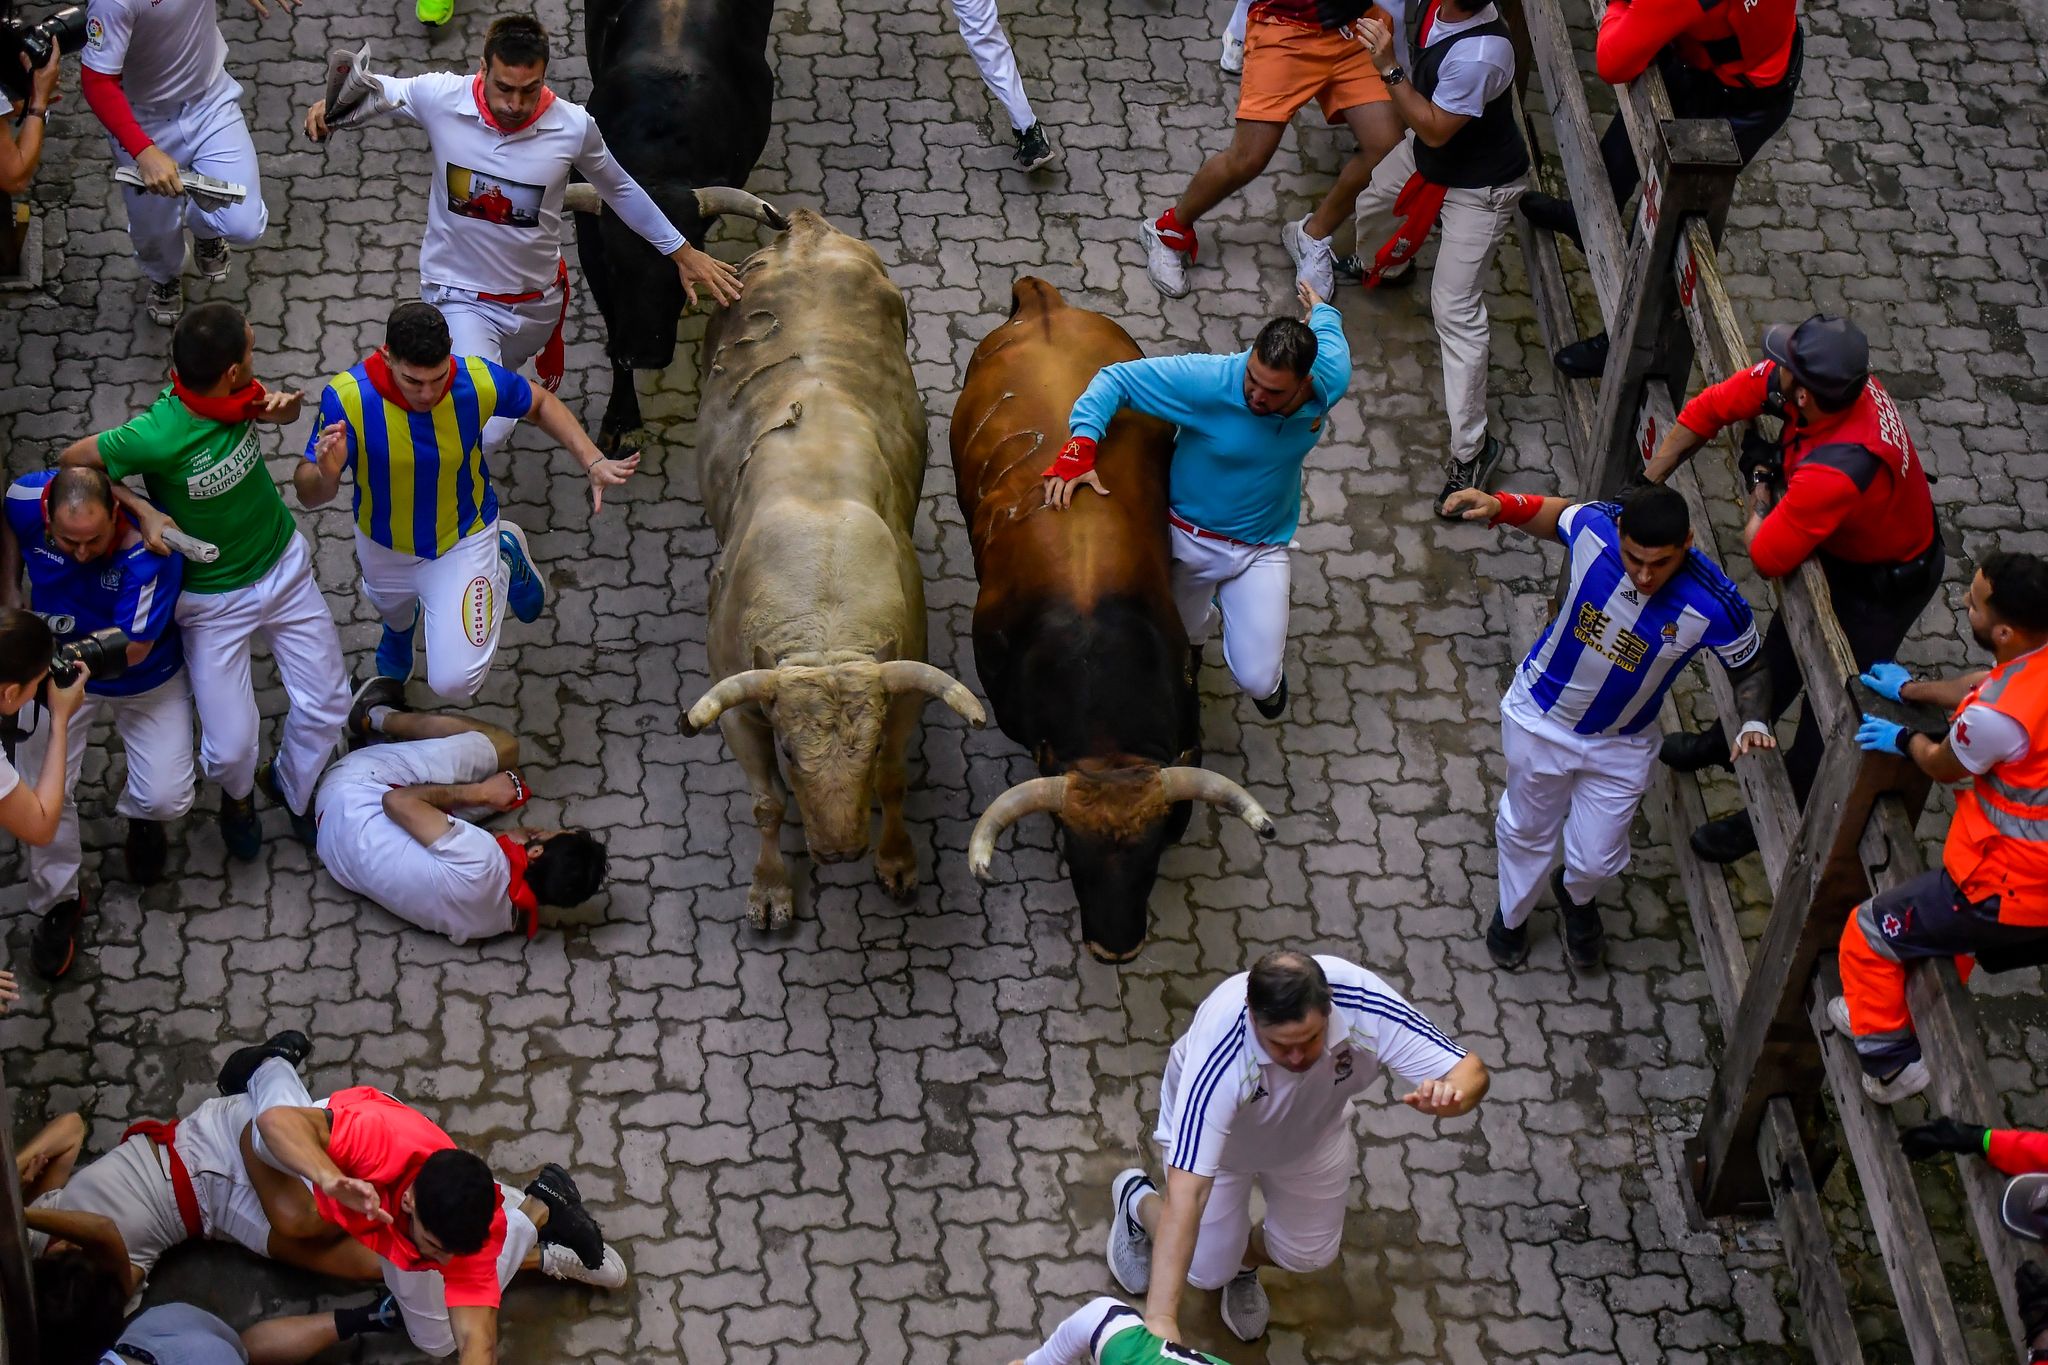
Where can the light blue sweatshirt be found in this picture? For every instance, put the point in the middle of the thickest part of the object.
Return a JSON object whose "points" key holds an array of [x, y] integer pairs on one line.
{"points": [[1234, 472]]}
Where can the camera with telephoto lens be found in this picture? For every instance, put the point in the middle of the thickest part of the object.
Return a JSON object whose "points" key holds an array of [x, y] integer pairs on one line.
{"points": [[105, 652], [63, 31]]}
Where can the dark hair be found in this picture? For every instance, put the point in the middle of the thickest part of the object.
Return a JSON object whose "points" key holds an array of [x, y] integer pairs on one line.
{"points": [[81, 486], [25, 645], [417, 334], [1287, 344], [456, 1198], [1836, 402], [569, 869], [2019, 589], [1655, 516], [79, 1307], [516, 40], [1286, 986], [208, 342]]}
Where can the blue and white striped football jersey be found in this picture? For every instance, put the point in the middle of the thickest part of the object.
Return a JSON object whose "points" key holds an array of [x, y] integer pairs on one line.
{"points": [[1604, 663]]}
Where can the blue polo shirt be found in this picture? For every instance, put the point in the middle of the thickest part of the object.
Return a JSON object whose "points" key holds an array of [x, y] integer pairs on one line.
{"points": [[134, 590]]}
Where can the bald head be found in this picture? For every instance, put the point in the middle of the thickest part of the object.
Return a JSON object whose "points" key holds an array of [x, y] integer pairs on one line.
{"points": [[1286, 987], [81, 514]]}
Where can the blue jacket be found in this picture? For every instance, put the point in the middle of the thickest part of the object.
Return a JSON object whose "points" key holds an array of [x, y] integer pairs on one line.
{"points": [[133, 589], [1234, 472]]}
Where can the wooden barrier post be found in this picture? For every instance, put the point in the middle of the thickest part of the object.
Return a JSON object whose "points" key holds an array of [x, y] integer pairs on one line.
{"points": [[19, 1343]]}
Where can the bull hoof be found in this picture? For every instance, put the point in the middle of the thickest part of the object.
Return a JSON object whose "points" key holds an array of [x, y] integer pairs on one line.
{"points": [[771, 907], [898, 879]]}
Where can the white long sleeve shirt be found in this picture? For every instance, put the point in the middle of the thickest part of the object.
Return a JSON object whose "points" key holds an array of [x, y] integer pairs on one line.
{"points": [[494, 209]]}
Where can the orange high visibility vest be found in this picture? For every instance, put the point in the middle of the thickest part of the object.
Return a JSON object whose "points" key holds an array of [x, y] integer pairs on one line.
{"points": [[1998, 843]]}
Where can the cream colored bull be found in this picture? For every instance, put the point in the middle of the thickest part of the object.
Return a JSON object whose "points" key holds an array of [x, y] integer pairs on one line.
{"points": [[811, 454]]}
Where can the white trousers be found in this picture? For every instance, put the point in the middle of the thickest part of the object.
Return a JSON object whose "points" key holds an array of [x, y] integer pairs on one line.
{"points": [[1304, 1227], [1472, 225], [1586, 787], [507, 334], [156, 728], [1238, 13], [209, 136], [981, 28], [1249, 584], [461, 594], [284, 607]]}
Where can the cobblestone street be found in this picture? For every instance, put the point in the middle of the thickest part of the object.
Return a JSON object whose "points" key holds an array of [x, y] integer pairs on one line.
{"points": [[888, 1135]]}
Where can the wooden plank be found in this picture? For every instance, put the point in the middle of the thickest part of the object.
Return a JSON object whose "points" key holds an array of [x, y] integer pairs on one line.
{"points": [[1896, 1216], [1579, 150], [1809, 1250], [17, 1295]]}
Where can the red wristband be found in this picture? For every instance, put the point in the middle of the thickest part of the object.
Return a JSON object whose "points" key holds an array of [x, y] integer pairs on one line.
{"points": [[1076, 457], [1516, 508]]}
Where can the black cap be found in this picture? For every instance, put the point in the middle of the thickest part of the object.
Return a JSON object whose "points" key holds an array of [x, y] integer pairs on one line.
{"points": [[1828, 355], [2025, 1206]]}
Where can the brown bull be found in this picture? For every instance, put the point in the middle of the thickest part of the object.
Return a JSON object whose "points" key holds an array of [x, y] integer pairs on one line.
{"points": [[1080, 648], [811, 453]]}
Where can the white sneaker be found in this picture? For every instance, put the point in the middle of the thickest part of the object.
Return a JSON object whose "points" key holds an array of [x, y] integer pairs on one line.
{"points": [[1314, 263], [166, 303], [1911, 1079], [210, 257], [1838, 1015], [563, 1264], [1232, 59], [1245, 1309], [1130, 1250], [1167, 268]]}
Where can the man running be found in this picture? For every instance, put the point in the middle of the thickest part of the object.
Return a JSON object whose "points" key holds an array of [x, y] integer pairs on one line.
{"points": [[504, 146], [981, 28], [408, 422], [1246, 425], [391, 825], [1107, 1331]]}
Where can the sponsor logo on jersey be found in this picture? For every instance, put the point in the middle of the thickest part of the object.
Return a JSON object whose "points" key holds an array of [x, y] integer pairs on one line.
{"points": [[96, 35], [476, 611], [1343, 1058], [223, 474]]}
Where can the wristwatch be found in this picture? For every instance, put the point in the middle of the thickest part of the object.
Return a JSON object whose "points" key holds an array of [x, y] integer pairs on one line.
{"points": [[1393, 76], [42, 114]]}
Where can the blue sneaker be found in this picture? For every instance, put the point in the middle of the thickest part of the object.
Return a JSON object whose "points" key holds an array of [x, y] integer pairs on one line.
{"points": [[524, 593], [395, 652]]}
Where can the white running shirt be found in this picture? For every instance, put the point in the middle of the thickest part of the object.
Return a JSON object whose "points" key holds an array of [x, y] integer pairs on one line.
{"points": [[494, 208], [166, 52], [1226, 1105]]}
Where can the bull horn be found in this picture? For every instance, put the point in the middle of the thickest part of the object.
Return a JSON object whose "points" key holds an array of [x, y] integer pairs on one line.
{"points": [[914, 675], [756, 684], [1026, 798], [1199, 784], [720, 199], [581, 197]]}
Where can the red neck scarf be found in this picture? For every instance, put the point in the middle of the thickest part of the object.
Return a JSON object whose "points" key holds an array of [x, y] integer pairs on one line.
{"points": [[379, 371], [523, 899], [239, 406], [476, 88]]}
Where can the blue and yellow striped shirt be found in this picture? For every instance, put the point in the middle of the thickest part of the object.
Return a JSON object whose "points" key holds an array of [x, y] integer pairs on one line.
{"points": [[421, 483]]}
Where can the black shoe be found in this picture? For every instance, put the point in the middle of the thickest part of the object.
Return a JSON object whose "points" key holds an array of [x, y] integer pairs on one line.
{"points": [[1726, 840], [303, 828], [1509, 948], [1354, 268], [1473, 473], [1034, 148], [239, 828], [241, 1064], [53, 946], [1271, 707], [1549, 211], [377, 691], [569, 1223], [1695, 751], [145, 852], [1583, 359], [1585, 937]]}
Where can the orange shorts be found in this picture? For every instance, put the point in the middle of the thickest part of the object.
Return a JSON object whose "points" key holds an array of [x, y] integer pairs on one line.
{"points": [[1286, 66]]}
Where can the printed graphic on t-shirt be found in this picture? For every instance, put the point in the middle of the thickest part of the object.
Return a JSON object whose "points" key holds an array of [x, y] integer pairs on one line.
{"points": [[96, 35], [474, 194], [223, 475]]}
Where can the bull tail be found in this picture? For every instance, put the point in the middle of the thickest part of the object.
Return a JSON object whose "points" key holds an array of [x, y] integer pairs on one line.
{"points": [[714, 200]]}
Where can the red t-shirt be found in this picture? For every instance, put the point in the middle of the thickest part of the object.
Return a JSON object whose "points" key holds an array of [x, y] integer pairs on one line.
{"points": [[375, 1138], [2017, 1152]]}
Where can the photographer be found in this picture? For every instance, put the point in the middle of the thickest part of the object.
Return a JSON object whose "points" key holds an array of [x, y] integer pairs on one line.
{"points": [[20, 154], [86, 563], [31, 813]]}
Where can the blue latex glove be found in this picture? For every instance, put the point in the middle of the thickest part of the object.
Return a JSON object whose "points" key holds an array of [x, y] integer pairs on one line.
{"points": [[1881, 736], [1886, 679]]}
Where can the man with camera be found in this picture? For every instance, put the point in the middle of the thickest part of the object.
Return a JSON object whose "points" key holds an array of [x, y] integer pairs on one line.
{"points": [[110, 597], [156, 76], [20, 155], [1844, 483], [198, 453]]}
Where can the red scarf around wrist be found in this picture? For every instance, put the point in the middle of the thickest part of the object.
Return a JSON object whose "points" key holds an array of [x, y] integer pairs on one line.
{"points": [[523, 899], [476, 88], [240, 406]]}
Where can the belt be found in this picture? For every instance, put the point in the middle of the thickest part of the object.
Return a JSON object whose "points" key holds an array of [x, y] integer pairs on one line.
{"points": [[533, 295], [165, 1136], [1183, 524]]}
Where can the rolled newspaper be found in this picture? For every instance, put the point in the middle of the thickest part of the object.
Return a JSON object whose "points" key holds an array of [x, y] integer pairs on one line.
{"points": [[192, 547], [354, 95], [203, 190]]}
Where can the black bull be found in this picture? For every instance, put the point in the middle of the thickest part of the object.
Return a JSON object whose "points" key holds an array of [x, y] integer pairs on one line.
{"points": [[1080, 649], [682, 92]]}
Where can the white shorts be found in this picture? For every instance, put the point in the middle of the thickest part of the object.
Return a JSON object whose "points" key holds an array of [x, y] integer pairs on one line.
{"points": [[210, 1144], [422, 1298], [461, 595], [1305, 1203]]}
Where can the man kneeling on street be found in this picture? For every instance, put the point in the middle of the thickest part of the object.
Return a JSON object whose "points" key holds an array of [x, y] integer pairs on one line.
{"points": [[392, 826]]}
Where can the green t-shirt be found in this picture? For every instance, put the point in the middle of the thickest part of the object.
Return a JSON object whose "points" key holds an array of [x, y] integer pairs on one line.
{"points": [[1136, 1346], [211, 478]]}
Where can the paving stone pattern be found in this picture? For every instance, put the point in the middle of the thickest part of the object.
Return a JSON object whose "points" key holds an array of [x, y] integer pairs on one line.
{"points": [[889, 1135]]}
